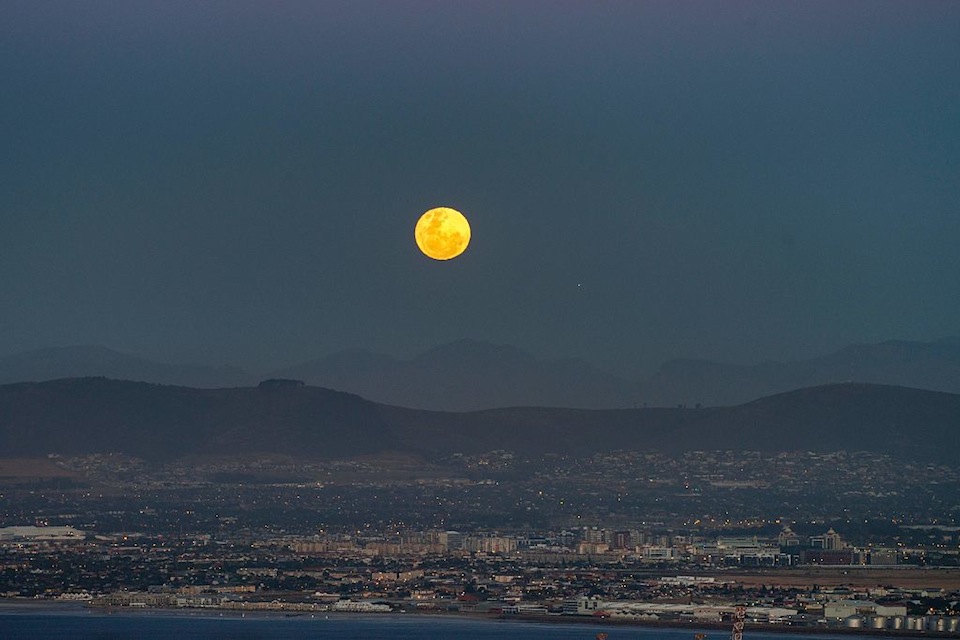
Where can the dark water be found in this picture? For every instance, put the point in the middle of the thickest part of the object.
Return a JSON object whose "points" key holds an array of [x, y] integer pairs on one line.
{"points": [[82, 624]]}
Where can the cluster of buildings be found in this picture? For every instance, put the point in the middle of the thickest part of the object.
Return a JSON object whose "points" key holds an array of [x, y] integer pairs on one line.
{"points": [[823, 612], [468, 573], [787, 549], [843, 613], [498, 534]]}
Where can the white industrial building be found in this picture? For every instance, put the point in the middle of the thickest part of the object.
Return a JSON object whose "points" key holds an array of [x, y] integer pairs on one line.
{"points": [[40, 534]]}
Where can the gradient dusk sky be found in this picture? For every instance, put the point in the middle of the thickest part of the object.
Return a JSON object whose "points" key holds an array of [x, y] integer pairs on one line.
{"points": [[237, 182]]}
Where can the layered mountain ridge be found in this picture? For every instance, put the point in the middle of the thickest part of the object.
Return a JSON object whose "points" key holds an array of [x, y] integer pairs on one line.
{"points": [[469, 375]]}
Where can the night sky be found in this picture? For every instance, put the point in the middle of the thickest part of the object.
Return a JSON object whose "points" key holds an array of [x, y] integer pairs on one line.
{"points": [[238, 182]]}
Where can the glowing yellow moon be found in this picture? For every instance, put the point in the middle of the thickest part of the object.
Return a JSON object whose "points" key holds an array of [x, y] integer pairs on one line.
{"points": [[442, 233]]}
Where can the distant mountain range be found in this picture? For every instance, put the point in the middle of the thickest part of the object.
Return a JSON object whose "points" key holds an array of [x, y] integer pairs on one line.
{"points": [[157, 422], [469, 375], [466, 375], [922, 365], [81, 361]]}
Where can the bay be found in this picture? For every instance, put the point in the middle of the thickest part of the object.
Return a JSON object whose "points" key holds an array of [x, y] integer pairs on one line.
{"points": [[86, 624]]}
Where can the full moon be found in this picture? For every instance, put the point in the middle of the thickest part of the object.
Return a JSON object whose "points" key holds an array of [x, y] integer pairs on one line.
{"points": [[442, 233]]}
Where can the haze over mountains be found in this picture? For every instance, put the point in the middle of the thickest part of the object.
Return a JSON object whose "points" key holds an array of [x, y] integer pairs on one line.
{"points": [[156, 422], [91, 360], [469, 375], [466, 375], [922, 365]]}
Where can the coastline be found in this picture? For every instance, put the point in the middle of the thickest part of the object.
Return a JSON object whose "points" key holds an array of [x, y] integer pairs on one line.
{"points": [[10, 606]]}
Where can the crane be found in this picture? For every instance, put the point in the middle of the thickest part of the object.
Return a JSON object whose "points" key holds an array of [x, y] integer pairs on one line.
{"points": [[740, 613]]}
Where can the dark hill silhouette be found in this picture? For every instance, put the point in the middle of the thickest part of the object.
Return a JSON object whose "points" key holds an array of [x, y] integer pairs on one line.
{"points": [[471, 375], [88, 361], [909, 423], [151, 421], [89, 415], [922, 365]]}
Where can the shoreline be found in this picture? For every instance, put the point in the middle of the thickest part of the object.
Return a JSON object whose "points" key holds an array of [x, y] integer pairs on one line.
{"points": [[57, 607]]}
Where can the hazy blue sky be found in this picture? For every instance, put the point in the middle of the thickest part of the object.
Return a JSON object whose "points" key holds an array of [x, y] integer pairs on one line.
{"points": [[237, 182]]}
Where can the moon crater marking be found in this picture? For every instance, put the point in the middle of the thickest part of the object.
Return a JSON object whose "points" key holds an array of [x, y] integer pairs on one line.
{"points": [[442, 233]]}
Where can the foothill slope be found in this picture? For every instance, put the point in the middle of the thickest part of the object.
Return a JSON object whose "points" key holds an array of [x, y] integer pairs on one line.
{"points": [[84, 415]]}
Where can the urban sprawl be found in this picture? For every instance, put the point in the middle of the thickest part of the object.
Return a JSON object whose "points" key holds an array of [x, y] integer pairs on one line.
{"points": [[820, 541]]}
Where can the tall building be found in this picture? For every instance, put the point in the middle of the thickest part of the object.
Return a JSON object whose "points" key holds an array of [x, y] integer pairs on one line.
{"points": [[452, 540], [788, 538], [829, 541]]}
